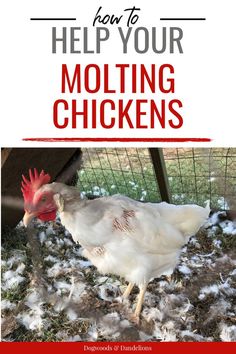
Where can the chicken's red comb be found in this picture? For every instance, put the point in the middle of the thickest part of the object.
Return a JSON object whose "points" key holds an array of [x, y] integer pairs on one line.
{"points": [[36, 180]]}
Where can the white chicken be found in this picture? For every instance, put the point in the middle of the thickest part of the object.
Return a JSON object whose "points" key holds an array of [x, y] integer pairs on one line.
{"points": [[135, 240]]}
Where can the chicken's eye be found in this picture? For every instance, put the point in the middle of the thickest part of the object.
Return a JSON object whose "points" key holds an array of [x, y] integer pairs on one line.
{"points": [[44, 198]]}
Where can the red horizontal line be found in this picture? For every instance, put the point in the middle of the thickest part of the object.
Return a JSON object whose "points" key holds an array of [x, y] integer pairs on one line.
{"points": [[123, 140]]}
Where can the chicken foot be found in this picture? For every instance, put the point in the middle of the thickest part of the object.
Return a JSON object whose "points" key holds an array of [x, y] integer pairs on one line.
{"points": [[142, 289], [168, 278]]}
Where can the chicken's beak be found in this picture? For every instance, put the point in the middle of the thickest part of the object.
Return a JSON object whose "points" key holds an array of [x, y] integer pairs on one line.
{"points": [[27, 218]]}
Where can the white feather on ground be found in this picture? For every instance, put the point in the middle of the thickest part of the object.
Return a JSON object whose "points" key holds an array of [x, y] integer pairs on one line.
{"points": [[81, 302]]}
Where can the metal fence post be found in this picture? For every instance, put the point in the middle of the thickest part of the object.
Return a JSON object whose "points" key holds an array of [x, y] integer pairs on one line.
{"points": [[161, 173]]}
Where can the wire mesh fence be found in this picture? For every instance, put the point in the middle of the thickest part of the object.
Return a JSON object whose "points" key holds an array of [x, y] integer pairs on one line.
{"points": [[194, 174], [124, 171]]}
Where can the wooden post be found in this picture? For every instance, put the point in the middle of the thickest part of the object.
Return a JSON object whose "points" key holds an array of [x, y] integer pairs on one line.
{"points": [[161, 173]]}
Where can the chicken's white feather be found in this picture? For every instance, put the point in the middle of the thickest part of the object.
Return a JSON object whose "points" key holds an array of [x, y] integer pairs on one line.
{"points": [[140, 240]]}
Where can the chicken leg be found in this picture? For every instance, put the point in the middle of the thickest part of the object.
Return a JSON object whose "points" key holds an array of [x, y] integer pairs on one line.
{"points": [[142, 290], [128, 290]]}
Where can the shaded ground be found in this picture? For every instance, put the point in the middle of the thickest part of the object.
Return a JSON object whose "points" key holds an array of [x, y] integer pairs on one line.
{"points": [[51, 293]]}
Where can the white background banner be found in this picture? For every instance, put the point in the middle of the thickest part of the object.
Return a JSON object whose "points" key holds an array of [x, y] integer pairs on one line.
{"points": [[204, 73]]}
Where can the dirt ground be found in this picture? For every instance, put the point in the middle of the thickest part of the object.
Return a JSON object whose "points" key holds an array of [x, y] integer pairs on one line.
{"points": [[51, 293]]}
